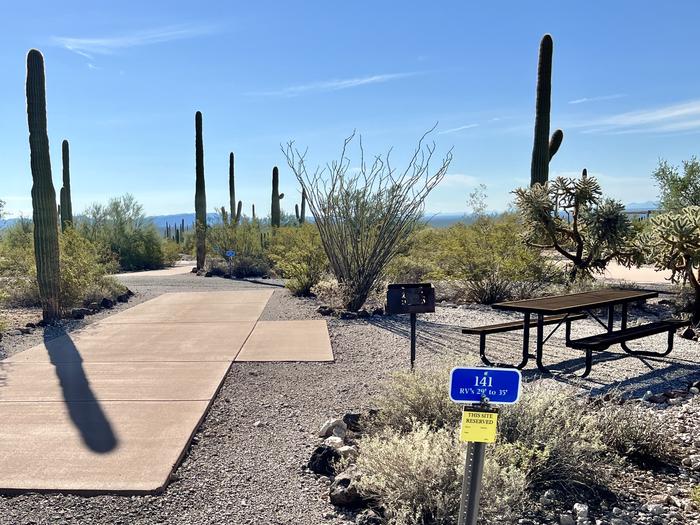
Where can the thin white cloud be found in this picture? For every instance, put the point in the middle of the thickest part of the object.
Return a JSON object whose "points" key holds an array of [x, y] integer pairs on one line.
{"points": [[459, 180], [597, 99], [682, 117], [333, 85], [88, 47], [460, 128]]}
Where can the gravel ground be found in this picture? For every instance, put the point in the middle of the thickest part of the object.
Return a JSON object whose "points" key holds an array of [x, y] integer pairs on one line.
{"points": [[237, 471]]}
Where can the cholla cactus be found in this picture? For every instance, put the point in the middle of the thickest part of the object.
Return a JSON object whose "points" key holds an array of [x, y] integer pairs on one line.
{"points": [[571, 216], [673, 243]]}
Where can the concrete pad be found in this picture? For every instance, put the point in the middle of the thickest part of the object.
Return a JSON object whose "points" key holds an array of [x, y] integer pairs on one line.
{"points": [[39, 382], [113, 342], [165, 272], [228, 297], [155, 312], [288, 341], [94, 447]]}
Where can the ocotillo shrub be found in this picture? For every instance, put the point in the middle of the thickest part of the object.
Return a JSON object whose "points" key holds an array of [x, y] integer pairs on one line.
{"points": [[45, 215]]}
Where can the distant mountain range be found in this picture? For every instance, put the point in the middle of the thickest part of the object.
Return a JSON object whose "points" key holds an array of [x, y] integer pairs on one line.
{"points": [[438, 220]]}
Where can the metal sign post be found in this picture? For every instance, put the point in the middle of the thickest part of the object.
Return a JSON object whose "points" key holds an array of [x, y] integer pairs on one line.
{"points": [[410, 299], [230, 254], [473, 388]]}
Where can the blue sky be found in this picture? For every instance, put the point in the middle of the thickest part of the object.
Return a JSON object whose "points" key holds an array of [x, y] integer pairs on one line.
{"points": [[124, 80]]}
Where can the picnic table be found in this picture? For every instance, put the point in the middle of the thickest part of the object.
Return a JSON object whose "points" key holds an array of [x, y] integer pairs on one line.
{"points": [[564, 309]]}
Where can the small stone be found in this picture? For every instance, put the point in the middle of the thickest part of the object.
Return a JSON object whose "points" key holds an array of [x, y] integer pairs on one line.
{"points": [[352, 420], [106, 303], [688, 333], [368, 517], [581, 510], [343, 491], [655, 509], [378, 311], [14, 332], [333, 427], [347, 451], [363, 314], [566, 519], [325, 310], [694, 390], [258, 424], [322, 460], [334, 442], [348, 315]]}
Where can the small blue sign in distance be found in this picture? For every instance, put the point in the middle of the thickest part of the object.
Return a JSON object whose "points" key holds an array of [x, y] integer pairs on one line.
{"points": [[471, 385], [230, 253]]}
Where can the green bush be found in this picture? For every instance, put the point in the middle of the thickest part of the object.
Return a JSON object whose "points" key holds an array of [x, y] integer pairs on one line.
{"points": [[122, 230], [84, 273], [298, 255], [487, 257], [250, 266]]}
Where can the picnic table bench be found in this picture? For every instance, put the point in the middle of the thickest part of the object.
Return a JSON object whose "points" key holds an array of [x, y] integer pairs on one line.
{"points": [[564, 309]]}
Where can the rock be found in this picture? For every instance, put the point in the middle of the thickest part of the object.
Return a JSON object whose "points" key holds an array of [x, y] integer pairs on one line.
{"points": [[352, 420], [581, 510], [14, 332], [208, 274], [24, 330], [123, 298], [258, 424], [655, 509], [94, 307], [694, 390], [325, 310], [659, 399], [688, 333], [363, 314], [368, 517], [322, 460], [618, 521], [333, 427], [343, 491], [106, 303], [378, 311], [566, 519], [334, 442], [193, 270], [347, 451], [79, 313], [348, 315], [30, 325], [647, 395]]}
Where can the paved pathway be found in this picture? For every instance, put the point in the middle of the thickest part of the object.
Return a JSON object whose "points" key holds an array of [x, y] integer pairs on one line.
{"points": [[112, 407]]}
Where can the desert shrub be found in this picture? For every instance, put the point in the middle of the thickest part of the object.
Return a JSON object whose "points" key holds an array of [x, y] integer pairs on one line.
{"points": [[486, 257], [633, 431], [416, 397], [297, 255], [365, 215], [559, 436], [329, 291], [695, 495], [171, 252], [571, 216], [84, 274], [123, 231], [678, 191], [417, 477], [245, 266]]}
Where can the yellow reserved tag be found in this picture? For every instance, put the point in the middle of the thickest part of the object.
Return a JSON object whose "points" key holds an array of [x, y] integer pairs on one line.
{"points": [[478, 427]]}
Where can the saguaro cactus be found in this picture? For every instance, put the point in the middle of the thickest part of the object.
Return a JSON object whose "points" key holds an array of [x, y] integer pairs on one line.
{"points": [[200, 198], [276, 212], [44, 212], [66, 205], [543, 148], [301, 215], [253, 210], [235, 210]]}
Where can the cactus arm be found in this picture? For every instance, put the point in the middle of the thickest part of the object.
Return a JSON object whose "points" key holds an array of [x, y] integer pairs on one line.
{"points": [[555, 142], [275, 211], [66, 203]]}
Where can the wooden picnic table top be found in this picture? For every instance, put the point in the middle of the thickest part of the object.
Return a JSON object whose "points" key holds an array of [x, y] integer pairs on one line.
{"points": [[575, 302]]}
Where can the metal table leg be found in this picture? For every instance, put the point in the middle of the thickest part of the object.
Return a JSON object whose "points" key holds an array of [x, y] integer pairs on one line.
{"points": [[540, 343]]}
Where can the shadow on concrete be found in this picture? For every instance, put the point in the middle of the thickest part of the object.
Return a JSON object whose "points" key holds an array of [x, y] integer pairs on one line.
{"points": [[83, 407]]}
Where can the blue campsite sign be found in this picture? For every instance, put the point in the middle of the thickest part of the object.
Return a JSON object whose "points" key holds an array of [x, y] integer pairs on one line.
{"points": [[474, 385]]}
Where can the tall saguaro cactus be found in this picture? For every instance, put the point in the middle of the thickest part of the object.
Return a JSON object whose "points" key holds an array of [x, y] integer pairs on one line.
{"points": [[301, 214], [200, 198], [235, 211], [543, 148], [65, 199], [45, 216], [275, 211]]}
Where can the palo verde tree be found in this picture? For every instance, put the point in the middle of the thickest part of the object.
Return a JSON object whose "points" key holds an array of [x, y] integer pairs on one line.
{"points": [[365, 211], [200, 198], [673, 243], [677, 190], [570, 216], [44, 214]]}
